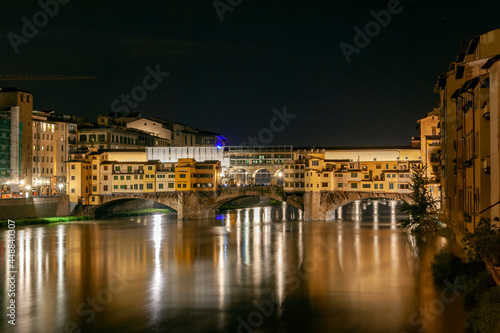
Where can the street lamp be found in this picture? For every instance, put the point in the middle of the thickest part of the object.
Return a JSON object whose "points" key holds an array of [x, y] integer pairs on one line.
{"points": [[60, 188], [28, 190]]}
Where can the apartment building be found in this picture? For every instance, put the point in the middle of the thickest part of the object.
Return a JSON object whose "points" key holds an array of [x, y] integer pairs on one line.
{"points": [[312, 172], [468, 109]]}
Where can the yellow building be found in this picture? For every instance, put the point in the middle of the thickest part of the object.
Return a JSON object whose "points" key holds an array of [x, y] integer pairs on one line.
{"points": [[183, 174], [469, 108], [79, 178], [348, 174], [206, 176]]}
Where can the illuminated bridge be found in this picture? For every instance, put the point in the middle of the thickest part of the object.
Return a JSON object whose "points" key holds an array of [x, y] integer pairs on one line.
{"points": [[317, 206]]}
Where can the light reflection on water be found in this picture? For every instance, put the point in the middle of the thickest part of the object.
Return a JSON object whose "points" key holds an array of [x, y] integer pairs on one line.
{"points": [[154, 274]]}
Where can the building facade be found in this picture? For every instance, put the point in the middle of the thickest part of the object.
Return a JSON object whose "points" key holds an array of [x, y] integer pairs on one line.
{"points": [[469, 107]]}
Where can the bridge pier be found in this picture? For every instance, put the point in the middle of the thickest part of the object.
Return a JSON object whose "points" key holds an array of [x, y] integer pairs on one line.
{"points": [[313, 207]]}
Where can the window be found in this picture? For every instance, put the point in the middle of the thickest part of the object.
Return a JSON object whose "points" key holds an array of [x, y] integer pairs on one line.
{"points": [[105, 188], [115, 187], [72, 190], [73, 167], [149, 186], [94, 167], [94, 177], [182, 175], [324, 184], [391, 186], [388, 175], [122, 177], [375, 186], [340, 185], [183, 185], [179, 185], [170, 185], [354, 175], [94, 188], [105, 168], [128, 177], [141, 186], [105, 178], [150, 167], [160, 186], [354, 185], [115, 177], [381, 186], [315, 163], [366, 185], [72, 177]]}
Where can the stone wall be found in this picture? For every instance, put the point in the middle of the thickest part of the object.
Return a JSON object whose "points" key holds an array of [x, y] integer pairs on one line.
{"points": [[34, 207]]}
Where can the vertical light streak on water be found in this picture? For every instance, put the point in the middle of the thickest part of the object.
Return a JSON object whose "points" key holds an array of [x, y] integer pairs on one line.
{"points": [[257, 258], [267, 214], [61, 289], [376, 252], [300, 242], [394, 252], [357, 251], [157, 286], [393, 204], [357, 214], [39, 270], [280, 268], [256, 214]]}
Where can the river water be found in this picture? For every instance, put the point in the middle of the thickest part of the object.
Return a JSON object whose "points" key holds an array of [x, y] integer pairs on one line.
{"points": [[259, 269]]}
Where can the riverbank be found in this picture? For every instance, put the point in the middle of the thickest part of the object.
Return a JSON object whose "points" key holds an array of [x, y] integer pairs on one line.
{"points": [[45, 220], [141, 212], [233, 205]]}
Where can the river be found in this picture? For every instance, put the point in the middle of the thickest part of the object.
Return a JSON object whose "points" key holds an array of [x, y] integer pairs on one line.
{"points": [[258, 269]]}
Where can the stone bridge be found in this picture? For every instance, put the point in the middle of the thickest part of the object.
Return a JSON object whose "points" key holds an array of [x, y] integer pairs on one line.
{"points": [[317, 206]]}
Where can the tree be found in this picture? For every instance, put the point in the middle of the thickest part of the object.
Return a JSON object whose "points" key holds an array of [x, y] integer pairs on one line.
{"points": [[422, 209]]}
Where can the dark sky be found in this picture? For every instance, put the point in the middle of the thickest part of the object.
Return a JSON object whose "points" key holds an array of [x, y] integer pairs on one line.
{"points": [[228, 76]]}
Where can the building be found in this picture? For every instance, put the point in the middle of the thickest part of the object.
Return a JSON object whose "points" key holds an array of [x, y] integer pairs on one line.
{"points": [[94, 174], [10, 147], [351, 170], [20, 105], [429, 142], [54, 136], [469, 107], [113, 133]]}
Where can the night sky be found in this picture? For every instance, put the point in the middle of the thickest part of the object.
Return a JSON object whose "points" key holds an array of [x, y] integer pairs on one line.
{"points": [[227, 76]]}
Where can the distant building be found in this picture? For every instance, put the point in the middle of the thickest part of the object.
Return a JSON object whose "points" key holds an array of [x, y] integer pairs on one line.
{"points": [[113, 133], [20, 105]]}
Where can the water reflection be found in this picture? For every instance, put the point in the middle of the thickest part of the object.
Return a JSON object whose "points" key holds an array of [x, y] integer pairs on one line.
{"points": [[357, 273]]}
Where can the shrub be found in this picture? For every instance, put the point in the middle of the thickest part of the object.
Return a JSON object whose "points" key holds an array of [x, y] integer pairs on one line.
{"points": [[446, 266], [477, 284], [485, 318]]}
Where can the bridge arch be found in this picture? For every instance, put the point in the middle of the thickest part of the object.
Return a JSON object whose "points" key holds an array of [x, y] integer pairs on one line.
{"points": [[320, 206], [112, 207]]}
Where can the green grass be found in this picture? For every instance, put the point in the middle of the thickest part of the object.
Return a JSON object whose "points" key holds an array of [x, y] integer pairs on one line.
{"points": [[45, 220], [149, 211]]}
